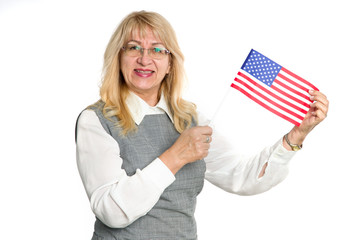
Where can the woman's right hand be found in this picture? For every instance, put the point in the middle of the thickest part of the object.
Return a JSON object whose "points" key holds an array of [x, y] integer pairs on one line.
{"points": [[192, 145]]}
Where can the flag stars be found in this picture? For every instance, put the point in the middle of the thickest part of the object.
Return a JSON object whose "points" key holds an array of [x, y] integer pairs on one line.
{"points": [[261, 67]]}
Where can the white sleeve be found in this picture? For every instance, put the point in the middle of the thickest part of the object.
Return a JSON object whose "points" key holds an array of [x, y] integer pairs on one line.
{"points": [[115, 198], [237, 173]]}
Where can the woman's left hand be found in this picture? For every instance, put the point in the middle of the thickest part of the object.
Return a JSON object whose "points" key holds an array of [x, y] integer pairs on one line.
{"points": [[317, 113]]}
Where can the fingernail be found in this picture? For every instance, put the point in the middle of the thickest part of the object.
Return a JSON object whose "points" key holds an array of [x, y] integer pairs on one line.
{"points": [[311, 91]]}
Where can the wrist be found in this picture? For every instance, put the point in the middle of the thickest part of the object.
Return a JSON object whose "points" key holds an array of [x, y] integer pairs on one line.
{"points": [[296, 136], [293, 140], [171, 161], [290, 146]]}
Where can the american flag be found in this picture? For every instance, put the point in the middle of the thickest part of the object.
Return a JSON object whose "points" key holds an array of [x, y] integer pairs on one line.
{"points": [[274, 87]]}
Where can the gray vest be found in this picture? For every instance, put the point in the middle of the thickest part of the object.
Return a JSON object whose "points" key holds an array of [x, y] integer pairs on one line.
{"points": [[172, 217]]}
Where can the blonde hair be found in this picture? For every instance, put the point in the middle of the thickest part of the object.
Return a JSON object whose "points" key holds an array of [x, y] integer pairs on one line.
{"points": [[114, 91]]}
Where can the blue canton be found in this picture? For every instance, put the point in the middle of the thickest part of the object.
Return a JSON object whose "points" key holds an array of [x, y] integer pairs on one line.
{"points": [[261, 67]]}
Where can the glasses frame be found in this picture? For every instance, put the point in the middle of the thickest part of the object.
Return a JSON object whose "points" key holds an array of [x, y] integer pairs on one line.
{"points": [[149, 51]]}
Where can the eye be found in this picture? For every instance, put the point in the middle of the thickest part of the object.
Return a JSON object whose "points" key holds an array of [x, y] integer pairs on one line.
{"points": [[134, 48], [158, 50]]}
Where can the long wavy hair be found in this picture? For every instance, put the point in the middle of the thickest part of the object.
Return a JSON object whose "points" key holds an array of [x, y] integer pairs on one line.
{"points": [[114, 91]]}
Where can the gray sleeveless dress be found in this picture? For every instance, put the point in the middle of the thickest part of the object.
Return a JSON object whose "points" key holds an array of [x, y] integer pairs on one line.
{"points": [[172, 217]]}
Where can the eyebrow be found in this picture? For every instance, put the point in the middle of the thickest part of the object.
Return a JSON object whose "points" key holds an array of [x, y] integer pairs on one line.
{"points": [[138, 42]]}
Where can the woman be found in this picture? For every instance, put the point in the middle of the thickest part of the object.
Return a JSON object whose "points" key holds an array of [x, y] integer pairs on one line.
{"points": [[143, 152]]}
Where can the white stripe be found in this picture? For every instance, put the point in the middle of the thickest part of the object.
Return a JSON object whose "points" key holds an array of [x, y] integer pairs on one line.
{"points": [[272, 98], [267, 103], [284, 81], [276, 92], [296, 80], [291, 93]]}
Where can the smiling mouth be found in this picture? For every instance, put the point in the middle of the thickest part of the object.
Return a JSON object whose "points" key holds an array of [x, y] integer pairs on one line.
{"points": [[143, 71]]}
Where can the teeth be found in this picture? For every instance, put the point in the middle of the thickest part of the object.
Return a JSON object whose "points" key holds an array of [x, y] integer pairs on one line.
{"points": [[140, 71]]}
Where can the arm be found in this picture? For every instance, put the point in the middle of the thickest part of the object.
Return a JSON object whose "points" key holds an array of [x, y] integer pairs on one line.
{"points": [[239, 174], [252, 175], [115, 198]]}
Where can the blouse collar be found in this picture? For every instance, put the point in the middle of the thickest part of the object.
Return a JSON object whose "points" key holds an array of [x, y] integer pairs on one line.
{"points": [[139, 108]]}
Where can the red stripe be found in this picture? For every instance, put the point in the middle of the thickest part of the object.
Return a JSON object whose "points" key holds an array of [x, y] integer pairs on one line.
{"points": [[299, 78], [271, 93], [265, 106], [269, 100], [291, 89], [294, 83], [290, 96]]}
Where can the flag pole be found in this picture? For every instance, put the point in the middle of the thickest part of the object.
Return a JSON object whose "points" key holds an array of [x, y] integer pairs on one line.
{"points": [[219, 107]]}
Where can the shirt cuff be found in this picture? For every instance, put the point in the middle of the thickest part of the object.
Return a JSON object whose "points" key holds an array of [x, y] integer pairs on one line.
{"points": [[159, 173]]}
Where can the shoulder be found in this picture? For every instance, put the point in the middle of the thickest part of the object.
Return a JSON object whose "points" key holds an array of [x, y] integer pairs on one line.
{"points": [[87, 116], [92, 115], [97, 106], [87, 119]]}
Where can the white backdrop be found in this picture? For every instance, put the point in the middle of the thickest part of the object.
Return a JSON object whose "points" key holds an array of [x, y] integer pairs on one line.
{"points": [[50, 64]]}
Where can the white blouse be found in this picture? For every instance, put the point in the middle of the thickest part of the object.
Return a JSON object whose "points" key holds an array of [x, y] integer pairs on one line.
{"points": [[118, 200]]}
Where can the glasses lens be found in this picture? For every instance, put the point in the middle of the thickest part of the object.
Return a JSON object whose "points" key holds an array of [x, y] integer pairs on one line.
{"points": [[133, 50], [158, 53], [136, 51]]}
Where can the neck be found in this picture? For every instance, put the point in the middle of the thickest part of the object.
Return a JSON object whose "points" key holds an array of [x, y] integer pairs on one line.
{"points": [[150, 99]]}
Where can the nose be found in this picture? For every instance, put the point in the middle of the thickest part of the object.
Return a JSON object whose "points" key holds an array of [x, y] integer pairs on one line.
{"points": [[144, 58]]}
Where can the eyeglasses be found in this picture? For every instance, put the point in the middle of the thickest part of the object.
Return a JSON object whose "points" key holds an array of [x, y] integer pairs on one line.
{"points": [[137, 51]]}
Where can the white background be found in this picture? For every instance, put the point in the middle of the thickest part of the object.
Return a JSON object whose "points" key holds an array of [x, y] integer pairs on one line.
{"points": [[50, 65]]}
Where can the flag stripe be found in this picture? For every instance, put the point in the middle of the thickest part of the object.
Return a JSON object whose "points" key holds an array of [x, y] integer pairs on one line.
{"points": [[282, 93], [282, 99], [301, 83], [268, 99], [299, 78], [265, 106], [291, 89], [291, 97], [293, 83], [295, 90]]}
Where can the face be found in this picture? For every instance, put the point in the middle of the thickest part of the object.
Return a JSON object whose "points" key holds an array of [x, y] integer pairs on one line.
{"points": [[143, 75]]}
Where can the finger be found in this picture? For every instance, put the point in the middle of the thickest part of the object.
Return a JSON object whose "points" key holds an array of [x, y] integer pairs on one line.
{"points": [[321, 99], [318, 96], [205, 146], [202, 149], [319, 106], [204, 130], [320, 115]]}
